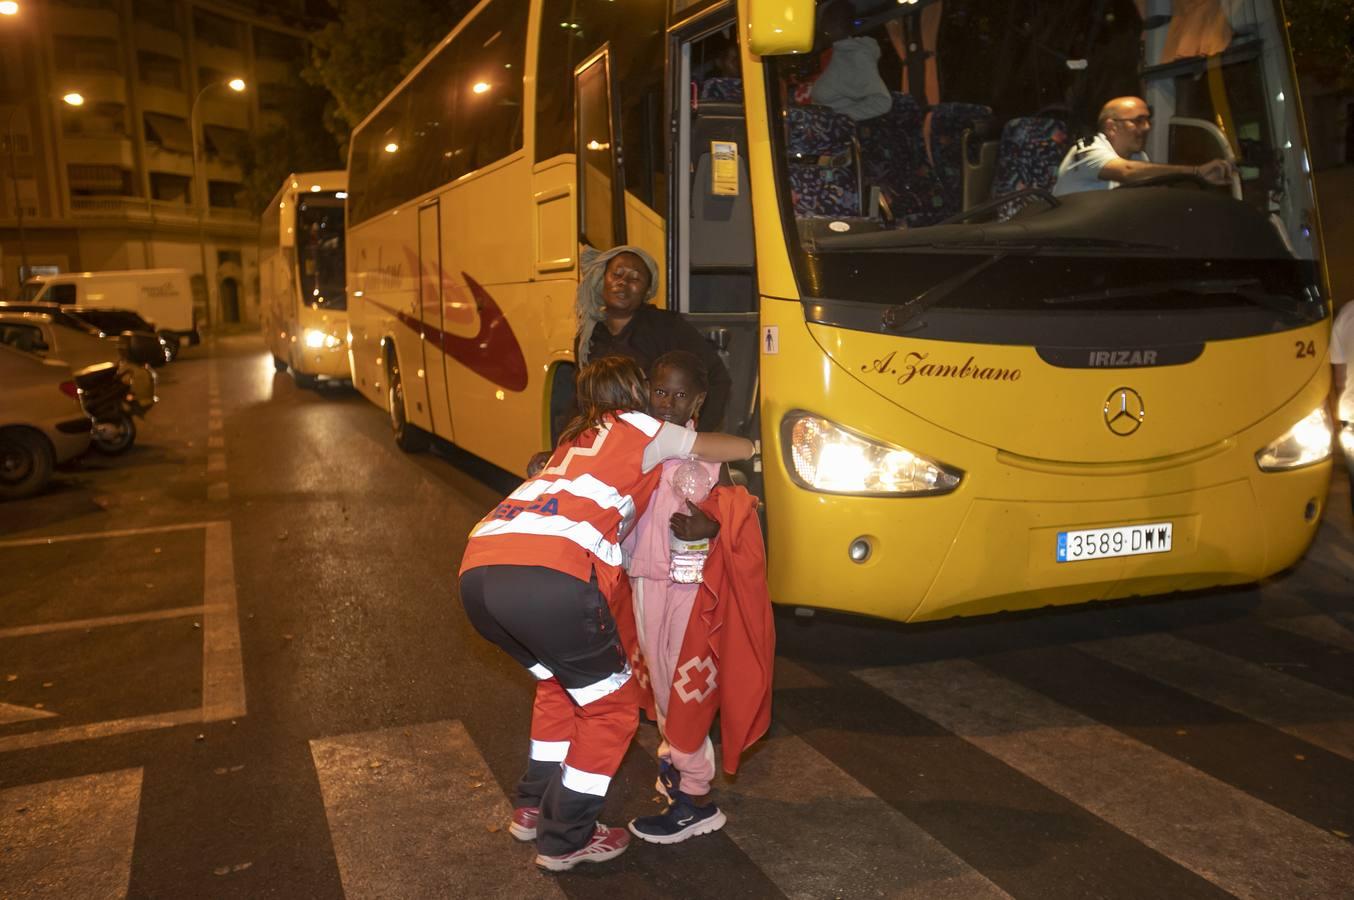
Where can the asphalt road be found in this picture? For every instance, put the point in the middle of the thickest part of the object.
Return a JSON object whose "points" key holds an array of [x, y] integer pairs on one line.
{"points": [[232, 663]]}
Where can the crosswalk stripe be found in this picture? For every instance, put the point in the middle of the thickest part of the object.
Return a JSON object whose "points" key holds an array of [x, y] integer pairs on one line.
{"points": [[1296, 707], [69, 838], [1224, 835], [1317, 627], [410, 812], [786, 784]]}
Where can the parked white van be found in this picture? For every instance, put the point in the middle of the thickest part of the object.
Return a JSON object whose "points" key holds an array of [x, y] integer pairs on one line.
{"points": [[162, 297]]}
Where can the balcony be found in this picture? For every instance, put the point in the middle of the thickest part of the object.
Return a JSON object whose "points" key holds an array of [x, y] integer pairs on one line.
{"points": [[68, 20], [136, 208], [99, 150], [157, 38], [97, 86], [163, 100], [159, 159]]}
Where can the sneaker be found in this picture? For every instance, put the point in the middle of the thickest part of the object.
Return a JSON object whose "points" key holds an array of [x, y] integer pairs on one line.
{"points": [[524, 821], [682, 819], [606, 843]]}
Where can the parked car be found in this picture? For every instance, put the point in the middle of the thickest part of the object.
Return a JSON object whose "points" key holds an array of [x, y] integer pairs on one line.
{"points": [[113, 322], [41, 423], [124, 391], [163, 296], [59, 316]]}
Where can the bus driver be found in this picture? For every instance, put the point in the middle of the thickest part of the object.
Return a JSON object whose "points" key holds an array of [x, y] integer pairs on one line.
{"points": [[1115, 156]]}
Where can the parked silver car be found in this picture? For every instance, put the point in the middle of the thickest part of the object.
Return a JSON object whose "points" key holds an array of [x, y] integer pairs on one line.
{"points": [[41, 423]]}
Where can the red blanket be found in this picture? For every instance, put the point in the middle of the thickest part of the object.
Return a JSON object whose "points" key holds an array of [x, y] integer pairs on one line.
{"points": [[730, 642]]}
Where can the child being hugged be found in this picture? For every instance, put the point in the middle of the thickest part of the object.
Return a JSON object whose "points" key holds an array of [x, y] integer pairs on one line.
{"points": [[540, 579], [708, 646]]}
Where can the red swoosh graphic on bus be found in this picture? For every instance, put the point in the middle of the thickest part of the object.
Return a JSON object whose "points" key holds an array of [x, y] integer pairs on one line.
{"points": [[492, 353]]}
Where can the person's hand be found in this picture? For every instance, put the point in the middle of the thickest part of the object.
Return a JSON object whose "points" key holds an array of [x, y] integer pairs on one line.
{"points": [[537, 463], [695, 526], [1218, 172]]}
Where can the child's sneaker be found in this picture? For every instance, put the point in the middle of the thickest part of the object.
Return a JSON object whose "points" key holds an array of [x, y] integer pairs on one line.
{"points": [[606, 843], [524, 821], [682, 819]]}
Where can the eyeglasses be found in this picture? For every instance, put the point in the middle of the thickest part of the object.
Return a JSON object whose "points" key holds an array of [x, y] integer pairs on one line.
{"points": [[1138, 121]]}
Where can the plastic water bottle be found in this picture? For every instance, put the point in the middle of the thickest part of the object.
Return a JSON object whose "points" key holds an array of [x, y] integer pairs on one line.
{"points": [[691, 482]]}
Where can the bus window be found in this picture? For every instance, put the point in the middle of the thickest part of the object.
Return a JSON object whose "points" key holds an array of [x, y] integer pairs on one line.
{"points": [[571, 31], [319, 250], [489, 83], [599, 214]]}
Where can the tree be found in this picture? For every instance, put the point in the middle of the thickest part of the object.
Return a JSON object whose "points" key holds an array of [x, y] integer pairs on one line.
{"points": [[373, 44], [302, 144], [1322, 32]]}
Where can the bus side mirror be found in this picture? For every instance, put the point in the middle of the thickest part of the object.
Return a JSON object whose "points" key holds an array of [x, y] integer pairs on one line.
{"points": [[780, 26]]}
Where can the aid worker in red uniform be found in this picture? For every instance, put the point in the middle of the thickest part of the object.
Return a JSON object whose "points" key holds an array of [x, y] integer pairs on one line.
{"points": [[537, 579]]}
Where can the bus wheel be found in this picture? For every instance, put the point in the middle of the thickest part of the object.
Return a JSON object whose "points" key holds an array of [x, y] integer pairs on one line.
{"points": [[409, 438], [303, 380], [279, 364]]}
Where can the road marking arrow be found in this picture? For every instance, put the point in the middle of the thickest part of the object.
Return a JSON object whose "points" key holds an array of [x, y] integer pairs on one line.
{"points": [[10, 713]]}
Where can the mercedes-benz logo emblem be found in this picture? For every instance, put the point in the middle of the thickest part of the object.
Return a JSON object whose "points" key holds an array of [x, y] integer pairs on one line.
{"points": [[1124, 411]]}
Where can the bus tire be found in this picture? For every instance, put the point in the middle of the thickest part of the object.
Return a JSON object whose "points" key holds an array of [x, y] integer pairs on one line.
{"points": [[304, 380], [26, 462], [408, 437], [279, 364]]}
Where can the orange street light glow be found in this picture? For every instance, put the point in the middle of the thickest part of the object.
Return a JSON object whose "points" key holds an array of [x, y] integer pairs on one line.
{"points": [[74, 98]]}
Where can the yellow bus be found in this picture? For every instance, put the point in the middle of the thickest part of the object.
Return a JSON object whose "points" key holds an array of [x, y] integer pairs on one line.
{"points": [[974, 391], [302, 295]]}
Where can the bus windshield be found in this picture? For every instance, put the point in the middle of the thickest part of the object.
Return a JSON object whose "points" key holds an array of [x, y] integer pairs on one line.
{"points": [[935, 132], [319, 249]]}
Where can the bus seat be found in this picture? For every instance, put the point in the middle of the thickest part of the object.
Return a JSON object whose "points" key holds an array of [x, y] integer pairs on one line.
{"points": [[824, 179], [728, 90], [980, 167], [1030, 152], [893, 155], [950, 122]]}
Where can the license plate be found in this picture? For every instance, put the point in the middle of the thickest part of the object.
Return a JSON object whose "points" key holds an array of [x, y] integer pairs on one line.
{"points": [[1125, 540]]}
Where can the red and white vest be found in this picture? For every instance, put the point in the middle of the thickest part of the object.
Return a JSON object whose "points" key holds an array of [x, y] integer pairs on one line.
{"points": [[572, 516]]}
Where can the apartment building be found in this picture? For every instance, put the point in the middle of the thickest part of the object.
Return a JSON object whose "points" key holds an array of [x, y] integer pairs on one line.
{"points": [[111, 183]]}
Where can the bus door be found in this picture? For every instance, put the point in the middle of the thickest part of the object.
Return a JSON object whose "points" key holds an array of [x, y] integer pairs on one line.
{"points": [[430, 314], [713, 238]]}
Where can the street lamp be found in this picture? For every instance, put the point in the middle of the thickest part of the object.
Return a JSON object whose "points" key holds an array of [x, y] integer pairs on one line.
{"points": [[200, 184], [74, 98]]}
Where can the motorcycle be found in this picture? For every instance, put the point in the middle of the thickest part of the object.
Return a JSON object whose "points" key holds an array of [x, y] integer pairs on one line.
{"points": [[113, 395]]}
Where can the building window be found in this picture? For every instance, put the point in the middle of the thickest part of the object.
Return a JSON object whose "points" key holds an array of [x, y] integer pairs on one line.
{"points": [[161, 13], [87, 54], [168, 133], [225, 194], [216, 31], [225, 257], [159, 70], [99, 181], [277, 97], [94, 120], [282, 47], [171, 188], [13, 72], [224, 144], [22, 144]]}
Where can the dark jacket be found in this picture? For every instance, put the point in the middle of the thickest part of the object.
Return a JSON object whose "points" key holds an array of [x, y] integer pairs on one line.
{"points": [[653, 332]]}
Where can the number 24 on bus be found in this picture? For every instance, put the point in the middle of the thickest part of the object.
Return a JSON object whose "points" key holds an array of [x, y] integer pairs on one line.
{"points": [[953, 371]]}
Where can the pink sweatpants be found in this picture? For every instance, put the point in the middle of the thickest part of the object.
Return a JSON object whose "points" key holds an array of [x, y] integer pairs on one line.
{"points": [[662, 609]]}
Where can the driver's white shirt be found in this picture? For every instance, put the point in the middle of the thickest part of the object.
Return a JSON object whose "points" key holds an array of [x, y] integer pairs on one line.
{"points": [[1080, 168]]}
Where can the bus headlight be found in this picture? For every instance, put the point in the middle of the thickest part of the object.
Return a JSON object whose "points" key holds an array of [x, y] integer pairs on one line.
{"points": [[315, 339], [1305, 443], [823, 456]]}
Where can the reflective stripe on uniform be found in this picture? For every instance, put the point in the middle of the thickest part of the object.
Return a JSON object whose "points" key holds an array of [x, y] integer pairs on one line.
{"points": [[643, 421], [599, 689], [584, 534], [549, 751], [541, 672], [585, 782], [585, 486]]}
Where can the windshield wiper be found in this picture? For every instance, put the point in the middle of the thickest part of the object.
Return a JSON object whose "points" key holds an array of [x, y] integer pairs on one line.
{"points": [[928, 298], [1251, 289]]}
